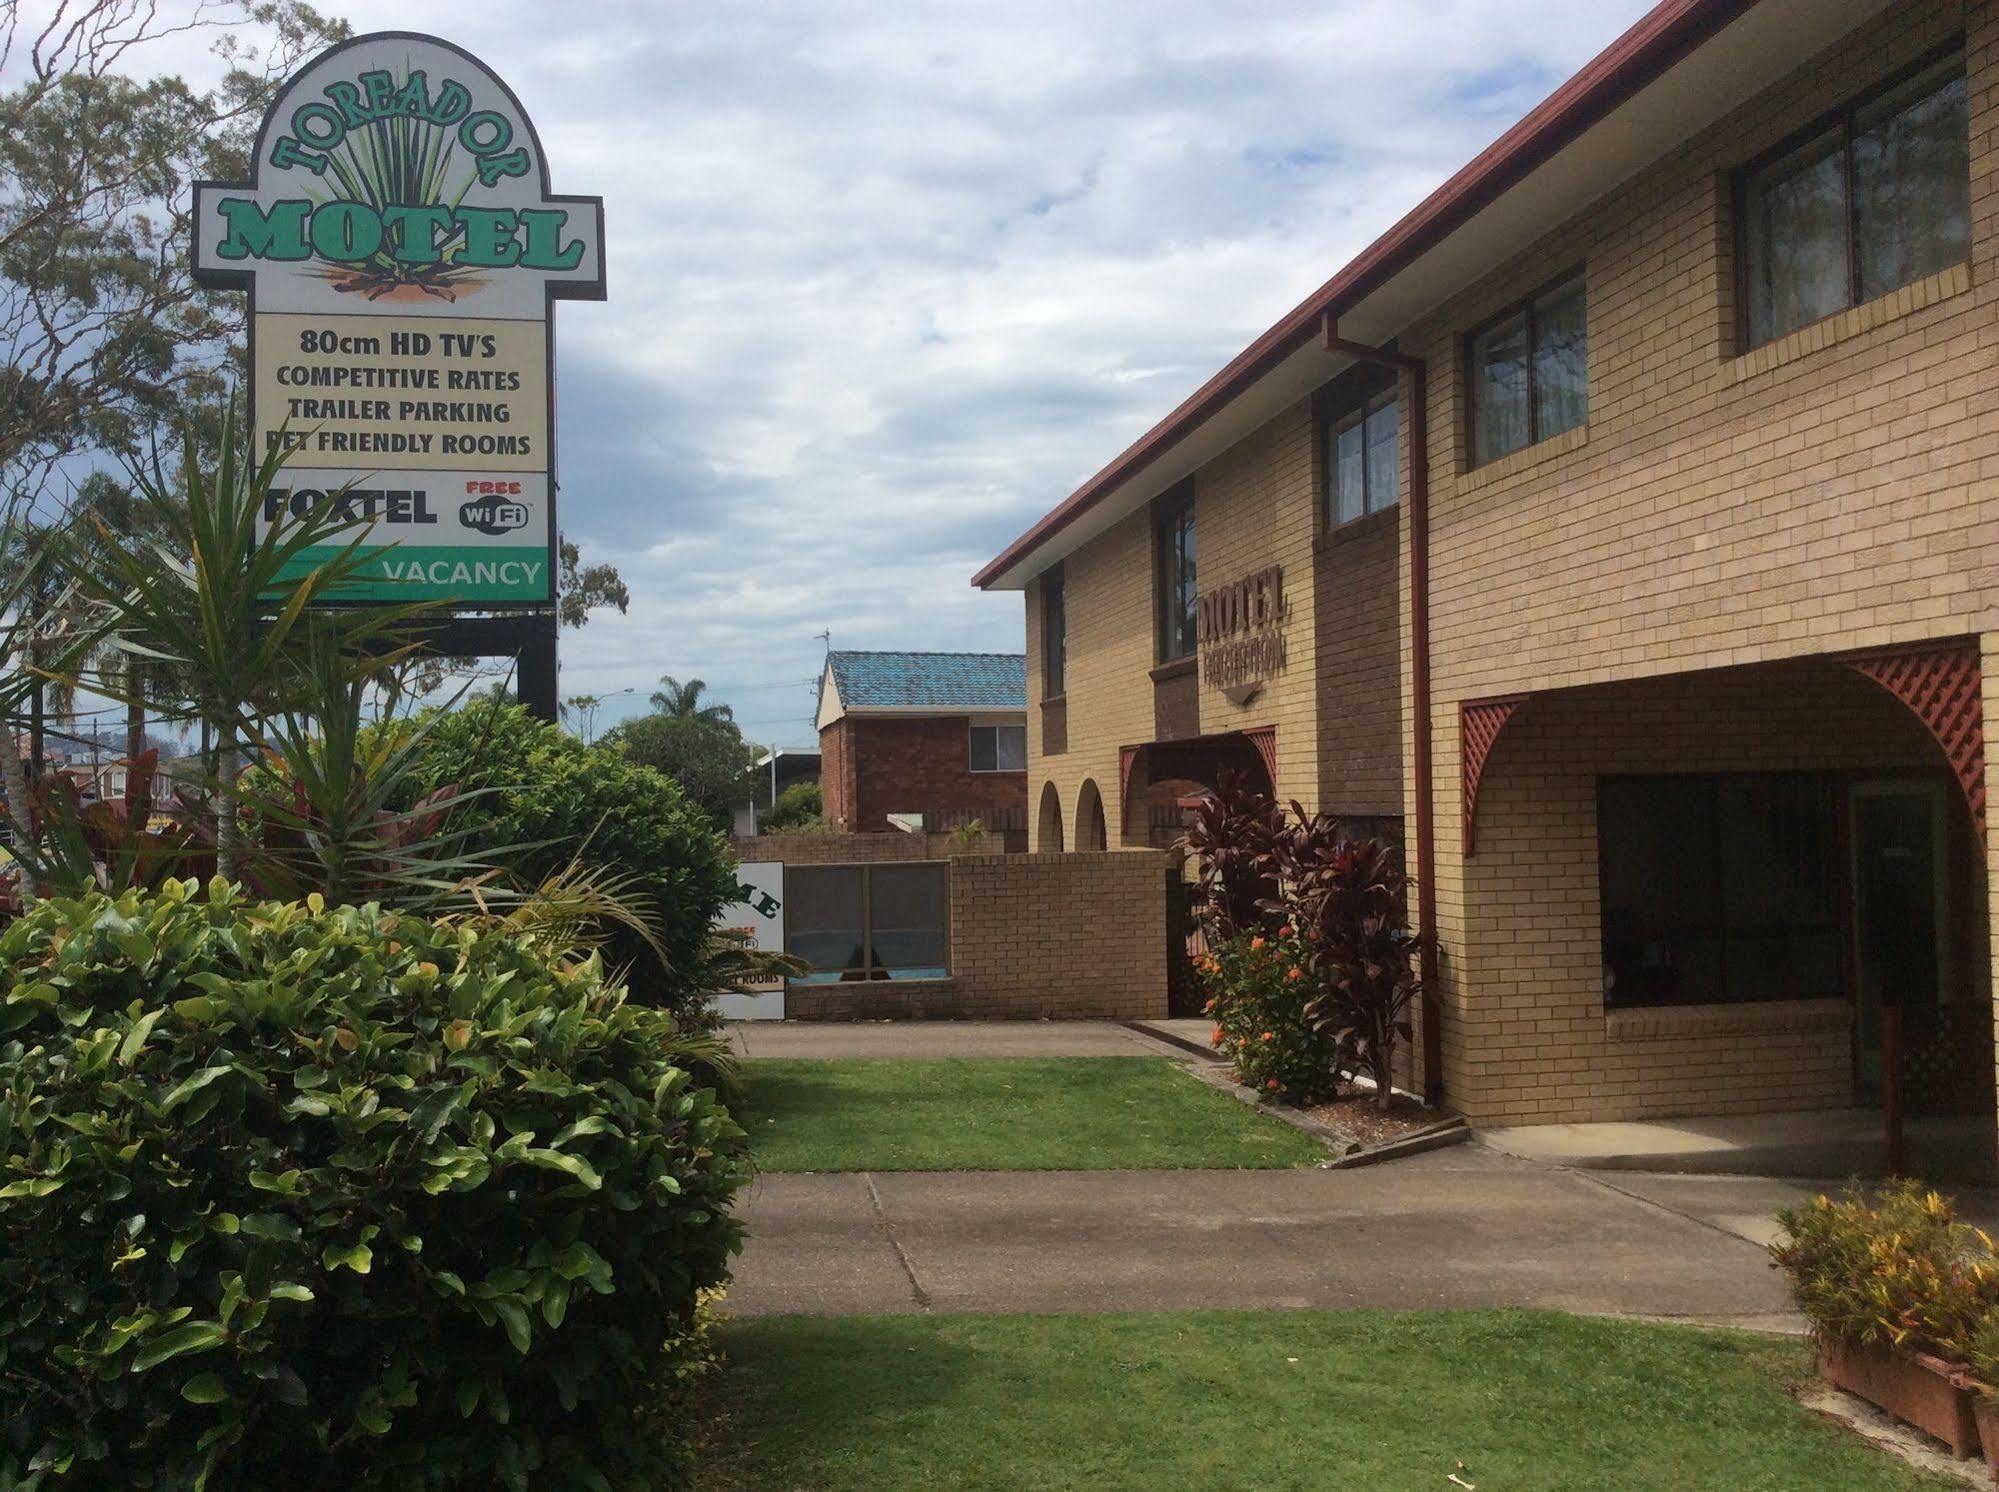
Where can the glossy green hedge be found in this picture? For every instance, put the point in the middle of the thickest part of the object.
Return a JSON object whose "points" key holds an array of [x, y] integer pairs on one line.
{"points": [[535, 785], [300, 1197]]}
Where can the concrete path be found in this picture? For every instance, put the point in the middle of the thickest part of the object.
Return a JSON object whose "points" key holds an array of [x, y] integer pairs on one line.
{"points": [[1460, 1228], [923, 1039], [1831, 1142]]}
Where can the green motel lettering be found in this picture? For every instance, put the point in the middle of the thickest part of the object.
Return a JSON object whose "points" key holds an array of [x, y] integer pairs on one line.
{"points": [[403, 132], [294, 230], [318, 129]]}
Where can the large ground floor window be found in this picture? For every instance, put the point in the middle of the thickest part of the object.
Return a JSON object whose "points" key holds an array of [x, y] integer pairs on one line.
{"points": [[1719, 888], [852, 922]]}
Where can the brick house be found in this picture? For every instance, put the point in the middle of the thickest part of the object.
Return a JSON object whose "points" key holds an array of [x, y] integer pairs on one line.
{"points": [[930, 740], [1621, 530]]}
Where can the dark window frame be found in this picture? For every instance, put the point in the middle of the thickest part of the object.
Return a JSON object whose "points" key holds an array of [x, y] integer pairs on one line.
{"points": [[870, 970], [1054, 633], [1838, 925], [1521, 306], [1334, 406], [1168, 562], [1841, 117], [972, 730]]}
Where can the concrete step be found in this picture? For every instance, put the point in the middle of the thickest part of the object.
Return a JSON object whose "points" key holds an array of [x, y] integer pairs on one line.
{"points": [[1818, 1144]]}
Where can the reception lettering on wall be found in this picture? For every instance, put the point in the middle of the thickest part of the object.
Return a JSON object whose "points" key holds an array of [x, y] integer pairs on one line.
{"points": [[1241, 632]]}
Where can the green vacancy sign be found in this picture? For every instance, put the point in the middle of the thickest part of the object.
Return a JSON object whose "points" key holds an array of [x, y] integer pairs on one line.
{"points": [[402, 250]]}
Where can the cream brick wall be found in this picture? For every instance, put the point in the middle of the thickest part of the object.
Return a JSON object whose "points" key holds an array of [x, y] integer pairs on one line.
{"points": [[1033, 937], [1336, 704], [1831, 491], [1529, 1037], [1254, 507], [1108, 591]]}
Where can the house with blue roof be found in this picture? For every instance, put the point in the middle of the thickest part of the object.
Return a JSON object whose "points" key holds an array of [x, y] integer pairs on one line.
{"points": [[924, 740]]}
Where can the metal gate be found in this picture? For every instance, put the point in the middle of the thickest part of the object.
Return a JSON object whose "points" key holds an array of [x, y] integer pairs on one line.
{"points": [[1185, 942]]}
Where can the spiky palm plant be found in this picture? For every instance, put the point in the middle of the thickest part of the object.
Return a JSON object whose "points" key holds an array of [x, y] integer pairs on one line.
{"points": [[401, 161], [209, 594]]}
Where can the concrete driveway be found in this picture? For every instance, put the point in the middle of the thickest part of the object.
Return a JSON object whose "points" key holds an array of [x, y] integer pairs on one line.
{"points": [[1458, 1228]]}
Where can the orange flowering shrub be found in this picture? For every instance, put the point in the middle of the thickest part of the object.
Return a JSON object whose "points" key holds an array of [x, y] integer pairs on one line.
{"points": [[1257, 986]]}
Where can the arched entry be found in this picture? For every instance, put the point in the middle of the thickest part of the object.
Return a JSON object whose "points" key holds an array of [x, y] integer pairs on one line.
{"points": [[1091, 833], [1161, 776], [1780, 864], [1048, 833]]}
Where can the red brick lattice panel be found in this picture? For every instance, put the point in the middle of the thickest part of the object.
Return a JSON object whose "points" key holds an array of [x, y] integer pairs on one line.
{"points": [[1940, 683], [1264, 739], [1479, 723]]}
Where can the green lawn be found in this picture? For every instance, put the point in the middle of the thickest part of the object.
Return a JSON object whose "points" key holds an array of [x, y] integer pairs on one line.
{"points": [[1005, 1114], [1270, 1401]]}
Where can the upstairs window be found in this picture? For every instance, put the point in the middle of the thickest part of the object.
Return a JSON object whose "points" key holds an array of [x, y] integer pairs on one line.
{"points": [[1364, 460], [999, 748], [1528, 371], [1177, 591], [1054, 634], [1873, 200]]}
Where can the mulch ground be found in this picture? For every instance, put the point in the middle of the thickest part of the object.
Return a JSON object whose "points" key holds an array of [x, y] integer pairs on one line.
{"points": [[1363, 1121]]}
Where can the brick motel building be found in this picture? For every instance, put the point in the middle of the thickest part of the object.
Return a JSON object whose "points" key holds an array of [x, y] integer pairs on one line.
{"points": [[927, 741], [1619, 531]]}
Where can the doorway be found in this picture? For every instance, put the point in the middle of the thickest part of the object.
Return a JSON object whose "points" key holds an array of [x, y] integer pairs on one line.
{"points": [[1900, 928]]}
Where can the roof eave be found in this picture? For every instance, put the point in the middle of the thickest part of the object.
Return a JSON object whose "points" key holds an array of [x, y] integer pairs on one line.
{"points": [[1639, 57]]}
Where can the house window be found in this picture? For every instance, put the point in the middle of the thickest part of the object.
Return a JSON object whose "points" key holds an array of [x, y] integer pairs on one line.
{"points": [[1528, 371], [1873, 200], [1364, 460], [999, 748], [1177, 592], [856, 922], [1719, 888], [1054, 634]]}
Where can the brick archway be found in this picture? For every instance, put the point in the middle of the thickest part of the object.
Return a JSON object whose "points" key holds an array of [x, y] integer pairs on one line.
{"points": [[1048, 831], [1092, 832], [1159, 775], [1939, 683]]}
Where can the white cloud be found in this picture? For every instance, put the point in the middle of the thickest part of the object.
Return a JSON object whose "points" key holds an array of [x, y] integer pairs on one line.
{"points": [[887, 281]]}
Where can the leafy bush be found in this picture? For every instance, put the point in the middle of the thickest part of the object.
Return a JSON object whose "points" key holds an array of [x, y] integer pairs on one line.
{"points": [[1349, 899], [706, 759], [1258, 985], [534, 785], [1896, 1269], [1229, 839], [294, 1196], [796, 807]]}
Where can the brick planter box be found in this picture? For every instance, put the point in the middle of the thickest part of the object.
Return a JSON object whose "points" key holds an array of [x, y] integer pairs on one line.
{"points": [[1927, 1392], [1985, 1410]]}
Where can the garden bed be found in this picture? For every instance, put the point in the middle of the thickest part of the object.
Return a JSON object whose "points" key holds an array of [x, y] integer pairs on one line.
{"points": [[1367, 1125]]}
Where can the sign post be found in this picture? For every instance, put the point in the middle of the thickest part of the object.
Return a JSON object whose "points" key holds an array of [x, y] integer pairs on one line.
{"points": [[403, 253]]}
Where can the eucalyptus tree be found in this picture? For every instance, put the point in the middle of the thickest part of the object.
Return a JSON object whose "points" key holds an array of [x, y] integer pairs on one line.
{"points": [[103, 332]]}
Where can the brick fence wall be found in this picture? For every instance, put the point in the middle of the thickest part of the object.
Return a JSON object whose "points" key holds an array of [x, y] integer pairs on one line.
{"points": [[1078, 936], [856, 849]]}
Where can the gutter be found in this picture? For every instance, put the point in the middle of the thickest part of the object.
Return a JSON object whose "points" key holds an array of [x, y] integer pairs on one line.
{"points": [[1416, 376], [1659, 40]]}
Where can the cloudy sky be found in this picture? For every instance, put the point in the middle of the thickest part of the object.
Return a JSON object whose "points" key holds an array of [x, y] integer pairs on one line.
{"points": [[888, 280]]}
